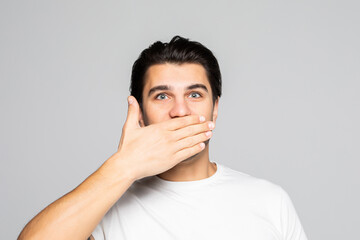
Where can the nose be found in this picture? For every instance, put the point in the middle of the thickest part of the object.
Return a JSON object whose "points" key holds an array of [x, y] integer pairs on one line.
{"points": [[179, 109]]}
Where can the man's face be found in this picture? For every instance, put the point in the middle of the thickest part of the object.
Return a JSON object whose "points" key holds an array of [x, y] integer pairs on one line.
{"points": [[173, 90]]}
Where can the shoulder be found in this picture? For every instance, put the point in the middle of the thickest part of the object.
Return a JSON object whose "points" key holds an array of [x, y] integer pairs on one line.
{"points": [[253, 185]]}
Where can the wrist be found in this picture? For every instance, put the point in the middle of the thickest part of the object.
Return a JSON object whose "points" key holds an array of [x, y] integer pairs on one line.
{"points": [[116, 170]]}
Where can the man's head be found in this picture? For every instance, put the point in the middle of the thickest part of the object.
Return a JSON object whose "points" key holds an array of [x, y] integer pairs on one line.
{"points": [[175, 79]]}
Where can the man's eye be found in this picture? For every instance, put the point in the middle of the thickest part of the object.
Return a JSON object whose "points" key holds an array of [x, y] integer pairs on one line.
{"points": [[194, 95], [161, 96]]}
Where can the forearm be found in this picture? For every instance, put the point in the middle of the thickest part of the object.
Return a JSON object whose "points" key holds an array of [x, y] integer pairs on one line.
{"points": [[75, 215]]}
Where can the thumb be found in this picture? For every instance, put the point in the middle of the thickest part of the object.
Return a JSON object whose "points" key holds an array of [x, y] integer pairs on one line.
{"points": [[132, 119]]}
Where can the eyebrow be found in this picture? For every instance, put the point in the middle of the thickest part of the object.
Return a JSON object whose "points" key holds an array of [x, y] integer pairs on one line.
{"points": [[167, 87]]}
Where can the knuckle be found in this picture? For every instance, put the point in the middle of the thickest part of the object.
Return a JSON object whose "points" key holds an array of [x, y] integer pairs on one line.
{"points": [[190, 141], [206, 126], [188, 131]]}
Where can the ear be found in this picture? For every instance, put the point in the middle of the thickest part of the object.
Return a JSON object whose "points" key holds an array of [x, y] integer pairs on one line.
{"points": [[215, 110]]}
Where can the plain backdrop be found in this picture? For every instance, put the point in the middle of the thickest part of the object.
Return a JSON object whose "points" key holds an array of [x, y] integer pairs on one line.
{"points": [[289, 111]]}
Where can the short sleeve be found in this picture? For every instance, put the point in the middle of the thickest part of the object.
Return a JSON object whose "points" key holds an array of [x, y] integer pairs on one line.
{"points": [[290, 222]]}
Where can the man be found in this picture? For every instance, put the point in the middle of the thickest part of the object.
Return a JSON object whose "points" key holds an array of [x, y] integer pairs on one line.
{"points": [[160, 184]]}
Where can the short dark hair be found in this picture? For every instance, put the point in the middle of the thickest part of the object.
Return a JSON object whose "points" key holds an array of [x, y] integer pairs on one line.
{"points": [[179, 50]]}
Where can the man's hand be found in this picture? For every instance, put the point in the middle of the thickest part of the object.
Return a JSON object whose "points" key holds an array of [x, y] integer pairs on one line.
{"points": [[142, 152], [151, 150]]}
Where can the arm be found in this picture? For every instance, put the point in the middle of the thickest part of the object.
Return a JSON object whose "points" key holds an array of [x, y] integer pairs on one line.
{"points": [[75, 215], [163, 145]]}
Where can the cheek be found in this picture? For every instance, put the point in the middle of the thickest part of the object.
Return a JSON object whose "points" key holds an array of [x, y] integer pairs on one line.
{"points": [[203, 109], [155, 114]]}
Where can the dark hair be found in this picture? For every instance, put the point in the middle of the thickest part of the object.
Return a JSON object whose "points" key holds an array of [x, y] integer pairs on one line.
{"points": [[179, 50]]}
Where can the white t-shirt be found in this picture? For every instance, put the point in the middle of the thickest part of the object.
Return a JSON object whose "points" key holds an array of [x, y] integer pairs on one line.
{"points": [[227, 205]]}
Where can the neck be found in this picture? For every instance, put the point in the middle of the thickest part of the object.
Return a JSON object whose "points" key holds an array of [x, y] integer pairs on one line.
{"points": [[194, 168]]}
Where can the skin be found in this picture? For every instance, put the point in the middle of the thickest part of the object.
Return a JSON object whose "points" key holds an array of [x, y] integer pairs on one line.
{"points": [[171, 91], [171, 147]]}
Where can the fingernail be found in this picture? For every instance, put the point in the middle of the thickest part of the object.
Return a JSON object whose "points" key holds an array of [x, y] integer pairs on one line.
{"points": [[202, 118], [208, 133], [202, 145], [211, 125], [130, 100]]}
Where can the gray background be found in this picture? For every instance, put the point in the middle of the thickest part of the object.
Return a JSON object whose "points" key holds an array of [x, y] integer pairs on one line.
{"points": [[289, 111]]}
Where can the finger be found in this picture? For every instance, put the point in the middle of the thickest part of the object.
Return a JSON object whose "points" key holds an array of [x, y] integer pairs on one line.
{"points": [[188, 152], [193, 140], [193, 130], [132, 120], [180, 122]]}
